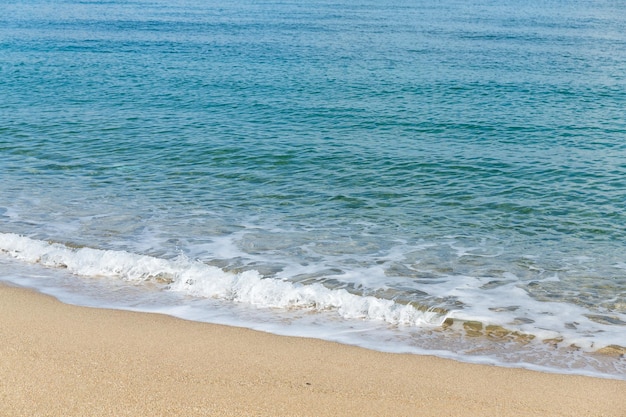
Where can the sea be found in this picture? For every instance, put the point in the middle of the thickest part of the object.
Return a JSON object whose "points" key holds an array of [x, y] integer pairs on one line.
{"points": [[438, 177]]}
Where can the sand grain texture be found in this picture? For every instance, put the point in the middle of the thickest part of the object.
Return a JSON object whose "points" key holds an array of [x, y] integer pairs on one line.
{"points": [[62, 360]]}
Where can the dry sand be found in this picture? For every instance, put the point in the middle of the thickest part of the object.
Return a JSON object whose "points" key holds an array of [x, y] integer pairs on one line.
{"points": [[62, 360]]}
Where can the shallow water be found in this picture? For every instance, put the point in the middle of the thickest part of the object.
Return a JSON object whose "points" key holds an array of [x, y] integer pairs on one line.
{"points": [[443, 177]]}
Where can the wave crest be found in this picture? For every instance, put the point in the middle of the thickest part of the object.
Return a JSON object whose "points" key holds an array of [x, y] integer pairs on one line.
{"points": [[201, 280]]}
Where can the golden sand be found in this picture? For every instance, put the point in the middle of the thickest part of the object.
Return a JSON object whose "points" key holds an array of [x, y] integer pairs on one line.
{"points": [[62, 360]]}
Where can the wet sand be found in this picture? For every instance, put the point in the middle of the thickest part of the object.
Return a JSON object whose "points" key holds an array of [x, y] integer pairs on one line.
{"points": [[63, 360]]}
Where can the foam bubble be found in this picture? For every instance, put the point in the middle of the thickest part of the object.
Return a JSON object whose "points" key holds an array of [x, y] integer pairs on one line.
{"points": [[198, 279]]}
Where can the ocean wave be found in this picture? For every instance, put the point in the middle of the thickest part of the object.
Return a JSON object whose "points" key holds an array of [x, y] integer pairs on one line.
{"points": [[198, 279]]}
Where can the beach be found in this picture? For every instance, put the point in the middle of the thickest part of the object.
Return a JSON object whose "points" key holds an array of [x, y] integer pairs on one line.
{"points": [[64, 360], [432, 178]]}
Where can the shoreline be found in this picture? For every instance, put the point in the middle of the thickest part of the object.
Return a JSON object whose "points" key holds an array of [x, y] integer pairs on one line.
{"points": [[64, 360]]}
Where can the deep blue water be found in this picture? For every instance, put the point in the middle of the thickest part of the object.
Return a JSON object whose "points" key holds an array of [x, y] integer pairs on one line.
{"points": [[366, 161]]}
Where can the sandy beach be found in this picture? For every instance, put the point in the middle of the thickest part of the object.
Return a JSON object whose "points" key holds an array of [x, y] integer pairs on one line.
{"points": [[63, 360]]}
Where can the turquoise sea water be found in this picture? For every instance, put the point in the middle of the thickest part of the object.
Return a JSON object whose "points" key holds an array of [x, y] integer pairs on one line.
{"points": [[442, 177]]}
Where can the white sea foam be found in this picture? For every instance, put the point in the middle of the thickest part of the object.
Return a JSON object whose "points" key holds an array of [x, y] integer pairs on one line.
{"points": [[201, 280], [194, 290]]}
